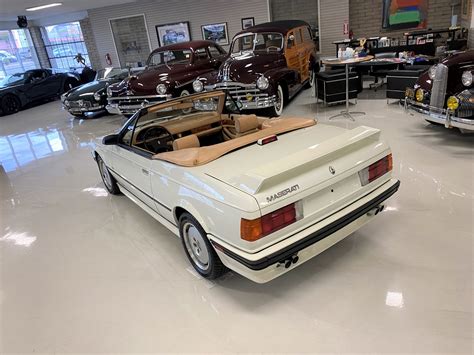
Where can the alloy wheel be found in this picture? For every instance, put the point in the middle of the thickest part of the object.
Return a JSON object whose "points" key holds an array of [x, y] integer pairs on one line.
{"points": [[196, 246]]}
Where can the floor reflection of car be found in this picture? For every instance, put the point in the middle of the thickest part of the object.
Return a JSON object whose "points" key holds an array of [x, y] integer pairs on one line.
{"points": [[91, 98], [18, 90], [257, 195], [7, 57]]}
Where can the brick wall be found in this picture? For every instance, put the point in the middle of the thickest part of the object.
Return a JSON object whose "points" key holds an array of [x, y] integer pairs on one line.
{"points": [[306, 10], [37, 39], [366, 17], [89, 41]]}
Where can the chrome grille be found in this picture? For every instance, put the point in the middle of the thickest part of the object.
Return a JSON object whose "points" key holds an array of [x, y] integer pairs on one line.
{"points": [[226, 71], [79, 104], [238, 91], [438, 90]]}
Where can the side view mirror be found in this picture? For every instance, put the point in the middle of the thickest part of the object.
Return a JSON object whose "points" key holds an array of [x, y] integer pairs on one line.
{"points": [[111, 139]]}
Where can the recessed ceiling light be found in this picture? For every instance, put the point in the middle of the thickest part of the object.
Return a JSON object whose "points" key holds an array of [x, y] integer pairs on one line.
{"points": [[36, 8]]}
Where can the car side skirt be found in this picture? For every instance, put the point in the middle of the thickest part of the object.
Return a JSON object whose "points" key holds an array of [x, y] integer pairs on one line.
{"points": [[159, 218]]}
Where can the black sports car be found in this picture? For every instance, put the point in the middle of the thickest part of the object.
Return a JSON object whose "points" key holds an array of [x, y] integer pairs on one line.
{"points": [[91, 98], [18, 90]]}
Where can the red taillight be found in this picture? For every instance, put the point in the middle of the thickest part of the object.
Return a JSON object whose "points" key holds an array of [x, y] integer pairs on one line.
{"points": [[252, 230], [267, 140], [376, 170]]}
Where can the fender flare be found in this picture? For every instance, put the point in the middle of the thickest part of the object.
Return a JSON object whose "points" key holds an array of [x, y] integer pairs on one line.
{"points": [[186, 206]]}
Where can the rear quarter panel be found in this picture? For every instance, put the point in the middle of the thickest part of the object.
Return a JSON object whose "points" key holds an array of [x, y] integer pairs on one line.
{"points": [[217, 206]]}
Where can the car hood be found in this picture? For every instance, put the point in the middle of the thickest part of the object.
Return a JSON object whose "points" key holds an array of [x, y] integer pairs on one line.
{"points": [[88, 89], [146, 81], [245, 68], [457, 64]]}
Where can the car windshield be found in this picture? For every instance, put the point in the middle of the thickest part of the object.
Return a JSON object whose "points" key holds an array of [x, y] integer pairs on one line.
{"points": [[182, 109], [112, 73], [14, 79], [170, 57], [257, 42]]}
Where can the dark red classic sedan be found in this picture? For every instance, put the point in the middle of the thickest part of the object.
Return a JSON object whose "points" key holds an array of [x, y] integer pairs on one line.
{"points": [[445, 93], [169, 73], [267, 65]]}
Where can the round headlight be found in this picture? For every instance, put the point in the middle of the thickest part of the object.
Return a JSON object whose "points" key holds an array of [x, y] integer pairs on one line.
{"points": [[161, 89], [452, 103], [97, 96], [432, 72], [66, 102], [420, 95], [109, 92], [198, 86], [467, 78], [262, 83]]}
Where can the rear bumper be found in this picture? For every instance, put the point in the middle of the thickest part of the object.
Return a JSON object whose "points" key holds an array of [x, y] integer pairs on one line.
{"points": [[269, 263], [443, 116]]}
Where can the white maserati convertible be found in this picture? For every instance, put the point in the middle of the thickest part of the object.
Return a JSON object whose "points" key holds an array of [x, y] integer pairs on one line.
{"points": [[255, 195]]}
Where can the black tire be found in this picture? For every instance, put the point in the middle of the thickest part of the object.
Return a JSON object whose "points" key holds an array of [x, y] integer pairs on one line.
{"points": [[107, 178], [10, 104], [312, 78], [277, 109], [198, 249]]}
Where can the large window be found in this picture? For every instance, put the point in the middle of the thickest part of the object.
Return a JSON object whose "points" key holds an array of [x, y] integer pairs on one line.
{"points": [[63, 42], [17, 52]]}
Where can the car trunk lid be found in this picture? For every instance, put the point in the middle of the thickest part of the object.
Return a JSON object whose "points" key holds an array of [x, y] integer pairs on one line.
{"points": [[315, 167]]}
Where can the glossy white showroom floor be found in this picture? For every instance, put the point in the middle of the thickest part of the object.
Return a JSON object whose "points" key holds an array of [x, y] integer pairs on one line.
{"points": [[82, 271]]}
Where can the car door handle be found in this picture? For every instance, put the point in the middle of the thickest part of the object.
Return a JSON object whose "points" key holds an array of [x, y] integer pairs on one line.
{"points": [[145, 172]]}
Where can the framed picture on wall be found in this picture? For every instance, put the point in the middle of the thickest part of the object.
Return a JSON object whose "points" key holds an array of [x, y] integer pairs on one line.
{"points": [[216, 32], [170, 33], [248, 22], [465, 9], [131, 40]]}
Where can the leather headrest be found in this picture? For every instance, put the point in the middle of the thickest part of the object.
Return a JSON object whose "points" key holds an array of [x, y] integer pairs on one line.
{"points": [[191, 141], [246, 123]]}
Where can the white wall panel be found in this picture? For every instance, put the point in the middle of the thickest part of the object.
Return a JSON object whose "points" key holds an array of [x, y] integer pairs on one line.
{"points": [[158, 12], [332, 15]]}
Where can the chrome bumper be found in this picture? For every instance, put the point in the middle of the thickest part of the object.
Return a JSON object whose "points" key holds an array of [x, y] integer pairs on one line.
{"points": [[443, 116], [257, 103], [248, 95], [83, 109], [128, 105]]}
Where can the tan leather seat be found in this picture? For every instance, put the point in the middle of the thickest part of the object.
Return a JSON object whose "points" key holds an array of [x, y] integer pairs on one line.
{"points": [[246, 124], [191, 141]]}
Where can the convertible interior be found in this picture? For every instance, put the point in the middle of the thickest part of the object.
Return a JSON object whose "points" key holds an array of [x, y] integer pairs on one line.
{"points": [[196, 137]]}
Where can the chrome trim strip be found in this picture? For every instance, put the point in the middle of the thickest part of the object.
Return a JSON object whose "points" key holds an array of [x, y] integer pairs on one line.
{"points": [[143, 192], [113, 98]]}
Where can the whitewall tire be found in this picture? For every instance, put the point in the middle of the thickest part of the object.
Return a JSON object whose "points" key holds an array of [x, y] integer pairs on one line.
{"points": [[277, 109]]}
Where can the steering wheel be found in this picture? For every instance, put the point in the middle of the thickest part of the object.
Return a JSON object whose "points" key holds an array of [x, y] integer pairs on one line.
{"points": [[157, 139]]}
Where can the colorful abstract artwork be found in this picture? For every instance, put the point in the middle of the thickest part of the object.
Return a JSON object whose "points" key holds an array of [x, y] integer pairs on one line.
{"points": [[401, 14]]}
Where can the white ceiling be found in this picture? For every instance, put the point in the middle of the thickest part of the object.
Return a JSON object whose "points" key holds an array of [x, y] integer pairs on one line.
{"points": [[10, 9]]}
